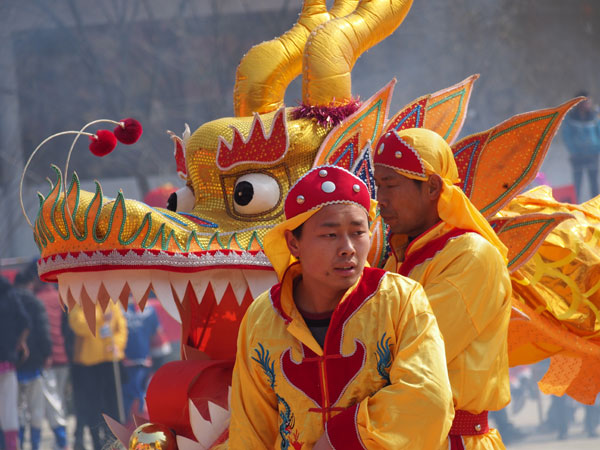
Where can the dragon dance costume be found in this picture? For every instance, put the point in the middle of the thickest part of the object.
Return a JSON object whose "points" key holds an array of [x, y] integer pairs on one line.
{"points": [[206, 261], [466, 281], [378, 381], [383, 371]]}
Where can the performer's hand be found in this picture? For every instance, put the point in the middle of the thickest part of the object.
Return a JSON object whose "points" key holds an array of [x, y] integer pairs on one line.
{"points": [[323, 443]]}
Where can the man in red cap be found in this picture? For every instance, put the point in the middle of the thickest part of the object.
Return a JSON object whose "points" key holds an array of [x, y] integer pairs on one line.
{"points": [[442, 241], [337, 355]]}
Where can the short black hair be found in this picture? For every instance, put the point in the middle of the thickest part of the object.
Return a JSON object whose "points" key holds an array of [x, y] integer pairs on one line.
{"points": [[297, 232]]}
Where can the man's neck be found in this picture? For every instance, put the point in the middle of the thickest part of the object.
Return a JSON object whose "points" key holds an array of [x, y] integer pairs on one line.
{"points": [[401, 242], [427, 226], [313, 299]]}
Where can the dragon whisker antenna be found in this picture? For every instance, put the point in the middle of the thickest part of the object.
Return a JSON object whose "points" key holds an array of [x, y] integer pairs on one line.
{"points": [[127, 131], [62, 133]]}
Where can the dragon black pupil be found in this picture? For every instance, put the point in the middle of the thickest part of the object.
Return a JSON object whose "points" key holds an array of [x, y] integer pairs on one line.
{"points": [[172, 202], [243, 193]]}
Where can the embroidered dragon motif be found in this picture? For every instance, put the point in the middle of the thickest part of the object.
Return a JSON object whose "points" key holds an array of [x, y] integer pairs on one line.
{"points": [[384, 358], [288, 420]]}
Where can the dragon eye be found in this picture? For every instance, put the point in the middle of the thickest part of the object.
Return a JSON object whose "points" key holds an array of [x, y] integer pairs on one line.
{"points": [[182, 200], [255, 193]]}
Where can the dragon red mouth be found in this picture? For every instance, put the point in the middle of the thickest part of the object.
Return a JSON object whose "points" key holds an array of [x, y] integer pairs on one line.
{"points": [[209, 303]]}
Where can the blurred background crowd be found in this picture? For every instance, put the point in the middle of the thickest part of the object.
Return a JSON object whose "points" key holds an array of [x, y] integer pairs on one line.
{"points": [[55, 375]]}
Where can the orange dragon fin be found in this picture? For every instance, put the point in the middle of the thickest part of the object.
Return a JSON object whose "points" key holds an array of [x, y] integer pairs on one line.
{"points": [[523, 235], [352, 135], [495, 165], [443, 111]]}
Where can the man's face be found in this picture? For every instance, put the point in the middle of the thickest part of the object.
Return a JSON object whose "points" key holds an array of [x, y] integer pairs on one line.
{"points": [[403, 203], [333, 247]]}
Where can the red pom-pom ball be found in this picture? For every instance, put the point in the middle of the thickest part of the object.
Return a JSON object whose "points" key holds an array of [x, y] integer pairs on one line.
{"points": [[130, 132], [102, 143]]}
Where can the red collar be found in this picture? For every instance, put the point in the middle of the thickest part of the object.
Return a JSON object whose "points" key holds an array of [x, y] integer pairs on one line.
{"points": [[429, 250], [364, 289]]}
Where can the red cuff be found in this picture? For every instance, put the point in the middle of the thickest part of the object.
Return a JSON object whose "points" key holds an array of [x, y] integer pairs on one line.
{"points": [[342, 431]]}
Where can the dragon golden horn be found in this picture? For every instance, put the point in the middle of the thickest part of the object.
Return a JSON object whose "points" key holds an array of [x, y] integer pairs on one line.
{"points": [[331, 51], [341, 8], [265, 72]]}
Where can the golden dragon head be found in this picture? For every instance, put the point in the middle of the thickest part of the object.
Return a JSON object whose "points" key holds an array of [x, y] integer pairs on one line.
{"points": [[205, 261]]}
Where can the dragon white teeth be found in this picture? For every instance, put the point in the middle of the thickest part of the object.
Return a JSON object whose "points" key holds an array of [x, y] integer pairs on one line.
{"points": [[259, 280], [238, 285], [169, 287], [219, 417], [219, 280], [162, 288], [184, 443], [63, 288], [75, 282], [91, 285], [179, 283], [207, 432], [139, 282], [199, 284], [113, 283]]}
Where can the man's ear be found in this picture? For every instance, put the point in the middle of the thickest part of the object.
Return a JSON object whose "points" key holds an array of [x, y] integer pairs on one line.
{"points": [[292, 243], [434, 186]]}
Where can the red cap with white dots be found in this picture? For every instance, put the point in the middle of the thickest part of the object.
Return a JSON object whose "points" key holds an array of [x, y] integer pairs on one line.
{"points": [[325, 185]]}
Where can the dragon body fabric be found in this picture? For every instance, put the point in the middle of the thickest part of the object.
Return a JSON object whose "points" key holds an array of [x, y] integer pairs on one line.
{"points": [[206, 263]]}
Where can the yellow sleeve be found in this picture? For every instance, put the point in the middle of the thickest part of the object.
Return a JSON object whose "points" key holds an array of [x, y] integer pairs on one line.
{"points": [[467, 287], [254, 412], [415, 410]]}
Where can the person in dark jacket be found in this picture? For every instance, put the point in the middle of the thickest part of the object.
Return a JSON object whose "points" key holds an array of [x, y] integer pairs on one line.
{"points": [[141, 328], [29, 372], [14, 326], [581, 134], [54, 377]]}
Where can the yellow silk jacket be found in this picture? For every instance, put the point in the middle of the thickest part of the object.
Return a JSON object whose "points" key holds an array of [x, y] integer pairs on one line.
{"points": [[468, 286], [379, 382]]}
